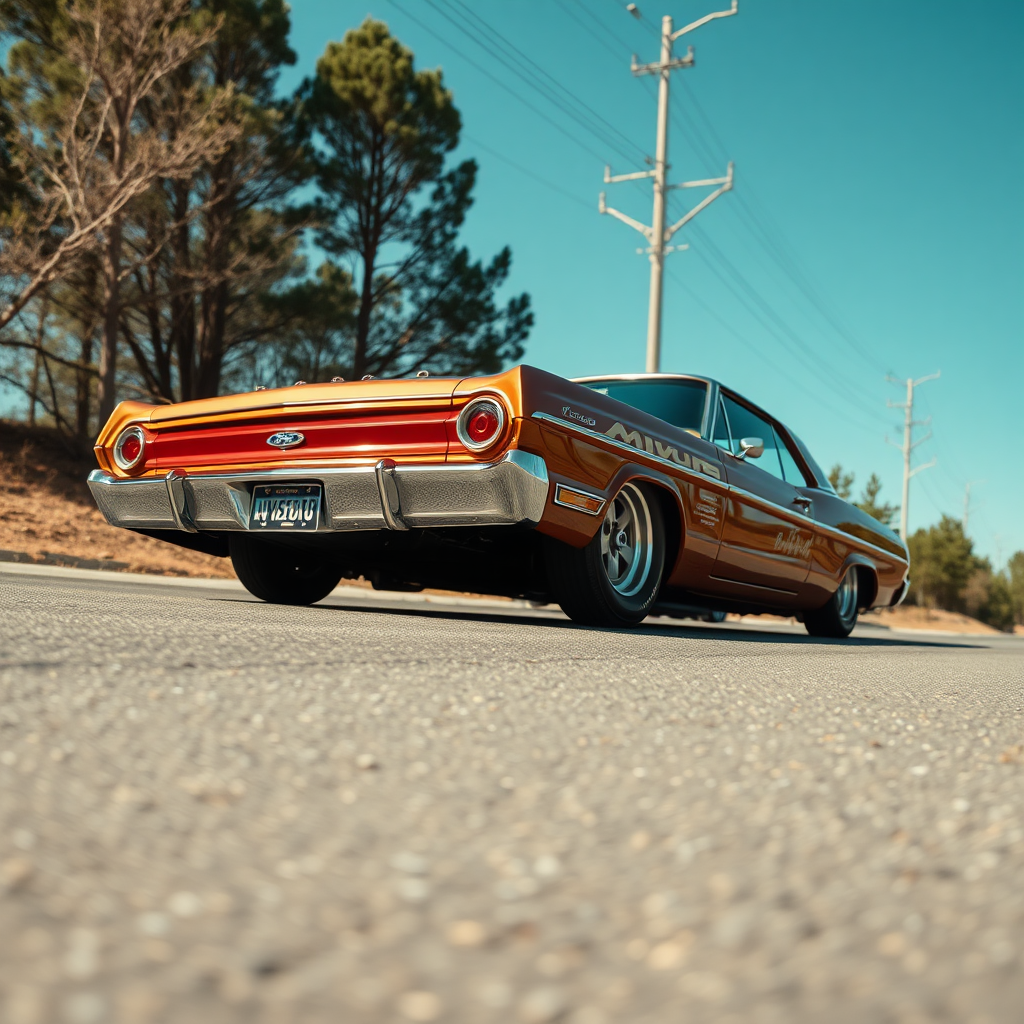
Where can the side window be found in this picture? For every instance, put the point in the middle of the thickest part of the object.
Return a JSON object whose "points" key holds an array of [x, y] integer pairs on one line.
{"points": [[745, 423], [721, 437], [790, 469]]}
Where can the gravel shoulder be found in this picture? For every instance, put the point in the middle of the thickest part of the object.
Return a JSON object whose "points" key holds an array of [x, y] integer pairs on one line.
{"points": [[213, 809]]}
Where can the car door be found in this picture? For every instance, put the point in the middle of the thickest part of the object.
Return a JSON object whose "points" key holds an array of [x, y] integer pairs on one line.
{"points": [[767, 536]]}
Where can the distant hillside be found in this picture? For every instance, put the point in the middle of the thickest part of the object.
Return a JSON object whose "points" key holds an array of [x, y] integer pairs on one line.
{"points": [[48, 515]]}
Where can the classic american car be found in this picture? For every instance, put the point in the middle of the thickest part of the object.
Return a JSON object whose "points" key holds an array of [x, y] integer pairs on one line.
{"points": [[616, 497]]}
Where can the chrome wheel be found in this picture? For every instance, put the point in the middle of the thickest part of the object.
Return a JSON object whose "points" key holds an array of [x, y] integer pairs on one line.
{"points": [[627, 549], [846, 597]]}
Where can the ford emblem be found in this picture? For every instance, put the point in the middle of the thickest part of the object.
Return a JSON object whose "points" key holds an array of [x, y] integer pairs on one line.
{"points": [[286, 439]]}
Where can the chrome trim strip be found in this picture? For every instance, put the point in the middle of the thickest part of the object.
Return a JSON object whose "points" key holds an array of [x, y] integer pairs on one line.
{"points": [[642, 376], [578, 490], [741, 492], [341, 402], [756, 586]]}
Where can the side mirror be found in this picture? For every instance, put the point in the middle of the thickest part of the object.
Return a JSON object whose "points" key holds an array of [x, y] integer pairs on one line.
{"points": [[751, 448]]}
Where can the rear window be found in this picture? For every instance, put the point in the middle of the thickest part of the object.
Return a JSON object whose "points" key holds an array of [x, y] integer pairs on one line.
{"points": [[679, 402]]}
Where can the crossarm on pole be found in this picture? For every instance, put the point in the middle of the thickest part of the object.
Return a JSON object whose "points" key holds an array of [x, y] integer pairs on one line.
{"points": [[705, 20], [726, 186], [603, 207], [611, 179]]}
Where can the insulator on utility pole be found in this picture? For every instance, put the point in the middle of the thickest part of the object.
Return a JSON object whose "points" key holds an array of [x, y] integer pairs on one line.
{"points": [[909, 444], [657, 234]]}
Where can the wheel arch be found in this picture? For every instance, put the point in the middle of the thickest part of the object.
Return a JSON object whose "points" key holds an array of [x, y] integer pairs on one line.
{"points": [[670, 501], [867, 580]]}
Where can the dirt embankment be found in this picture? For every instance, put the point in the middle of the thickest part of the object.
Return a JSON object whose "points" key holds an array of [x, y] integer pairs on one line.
{"points": [[911, 617], [47, 513]]}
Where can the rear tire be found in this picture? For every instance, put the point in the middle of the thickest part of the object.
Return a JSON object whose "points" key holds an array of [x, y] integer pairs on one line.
{"points": [[614, 580], [838, 617], [279, 574]]}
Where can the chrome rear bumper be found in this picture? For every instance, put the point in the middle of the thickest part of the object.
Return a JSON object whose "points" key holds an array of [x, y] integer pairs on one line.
{"points": [[511, 491]]}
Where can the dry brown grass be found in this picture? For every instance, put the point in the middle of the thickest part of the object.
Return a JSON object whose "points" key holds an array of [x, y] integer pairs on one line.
{"points": [[46, 510]]}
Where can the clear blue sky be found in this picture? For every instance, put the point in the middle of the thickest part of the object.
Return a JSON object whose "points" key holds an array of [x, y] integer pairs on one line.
{"points": [[879, 154]]}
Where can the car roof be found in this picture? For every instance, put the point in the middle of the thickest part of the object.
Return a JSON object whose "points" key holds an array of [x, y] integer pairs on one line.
{"points": [[645, 376]]}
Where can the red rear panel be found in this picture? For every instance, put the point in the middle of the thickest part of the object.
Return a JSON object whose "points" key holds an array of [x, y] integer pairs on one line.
{"points": [[366, 434]]}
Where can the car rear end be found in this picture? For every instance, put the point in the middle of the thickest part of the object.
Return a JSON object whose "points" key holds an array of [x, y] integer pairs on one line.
{"points": [[322, 458]]}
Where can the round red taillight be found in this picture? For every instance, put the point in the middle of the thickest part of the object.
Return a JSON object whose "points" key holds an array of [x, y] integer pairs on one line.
{"points": [[131, 449], [481, 423], [130, 446]]}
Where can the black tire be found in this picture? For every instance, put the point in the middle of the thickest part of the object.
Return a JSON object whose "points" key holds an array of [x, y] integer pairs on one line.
{"points": [[280, 574], [614, 580], [839, 615]]}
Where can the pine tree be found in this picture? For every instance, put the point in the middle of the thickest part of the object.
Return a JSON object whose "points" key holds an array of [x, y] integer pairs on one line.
{"points": [[382, 131], [869, 503]]}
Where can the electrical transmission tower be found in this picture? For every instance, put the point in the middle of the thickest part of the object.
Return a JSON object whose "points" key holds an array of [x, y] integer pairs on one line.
{"points": [[657, 235], [909, 444], [967, 501]]}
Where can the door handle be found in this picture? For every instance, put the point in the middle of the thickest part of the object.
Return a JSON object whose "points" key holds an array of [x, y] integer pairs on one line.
{"points": [[804, 503]]}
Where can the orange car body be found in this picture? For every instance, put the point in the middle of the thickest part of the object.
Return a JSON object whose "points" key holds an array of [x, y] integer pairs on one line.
{"points": [[738, 538]]}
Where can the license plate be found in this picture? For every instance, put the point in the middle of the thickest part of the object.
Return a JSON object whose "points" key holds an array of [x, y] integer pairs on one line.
{"points": [[285, 507]]}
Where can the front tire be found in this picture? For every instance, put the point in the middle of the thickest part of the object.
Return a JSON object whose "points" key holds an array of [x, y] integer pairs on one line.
{"points": [[838, 617], [614, 580], [280, 574]]}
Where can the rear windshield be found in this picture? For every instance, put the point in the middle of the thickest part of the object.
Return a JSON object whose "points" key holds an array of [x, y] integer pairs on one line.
{"points": [[679, 402]]}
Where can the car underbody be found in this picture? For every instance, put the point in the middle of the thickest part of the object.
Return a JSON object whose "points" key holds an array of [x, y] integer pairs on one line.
{"points": [[504, 561]]}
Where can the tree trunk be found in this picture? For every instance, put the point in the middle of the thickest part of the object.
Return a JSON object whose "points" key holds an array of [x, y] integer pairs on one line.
{"points": [[83, 389], [33, 390], [183, 303], [223, 200], [83, 378], [365, 311], [215, 306], [111, 315]]}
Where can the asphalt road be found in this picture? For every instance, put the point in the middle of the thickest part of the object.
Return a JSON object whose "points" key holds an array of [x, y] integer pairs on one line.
{"points": [[214, 810]]}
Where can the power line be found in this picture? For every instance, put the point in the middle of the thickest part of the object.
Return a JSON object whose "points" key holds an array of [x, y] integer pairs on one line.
{"points": [[530, 174], [614, 51], [782, 331], [510, 56], [767, 233], [814, 396], [514, 51], [497, 81], [640, 17]]}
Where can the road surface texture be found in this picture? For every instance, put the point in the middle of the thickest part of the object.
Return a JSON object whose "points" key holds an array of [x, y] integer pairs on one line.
{"points": [[214, 810]]}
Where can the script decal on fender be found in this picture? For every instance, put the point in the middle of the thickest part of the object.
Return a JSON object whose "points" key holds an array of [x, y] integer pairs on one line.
{"points": [[571, 414], [793, 545], [708, 507], [663, 451]]}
